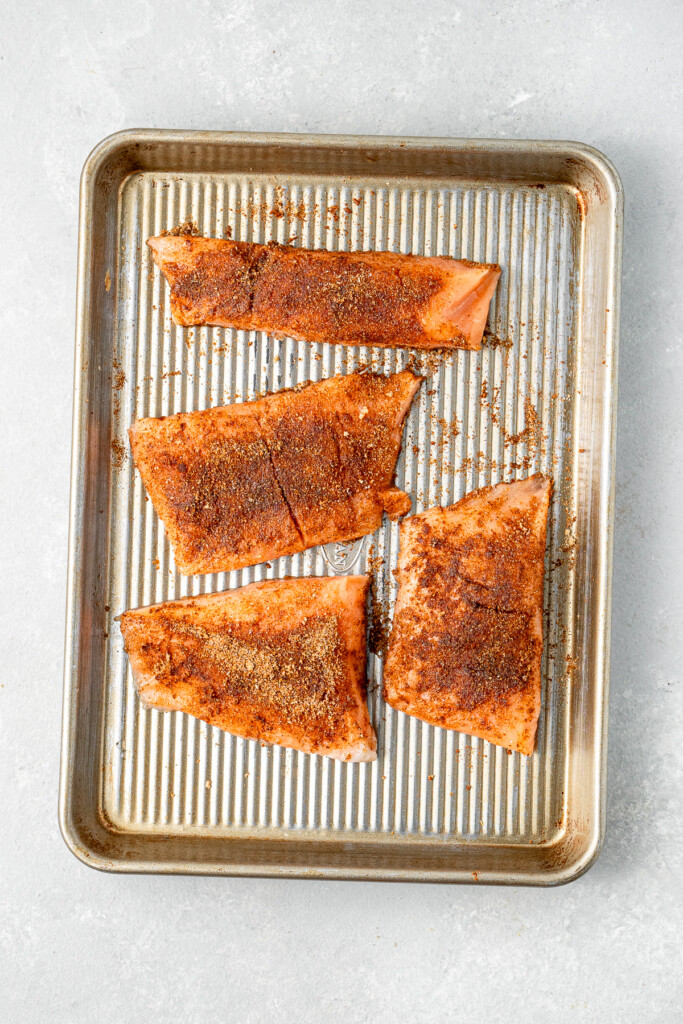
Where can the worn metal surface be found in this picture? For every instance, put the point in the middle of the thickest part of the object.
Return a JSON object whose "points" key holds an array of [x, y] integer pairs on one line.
{"points": [[144, 790]]}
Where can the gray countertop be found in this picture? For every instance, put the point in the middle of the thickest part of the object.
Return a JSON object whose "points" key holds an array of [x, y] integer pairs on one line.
{"points": [[76, 945]]}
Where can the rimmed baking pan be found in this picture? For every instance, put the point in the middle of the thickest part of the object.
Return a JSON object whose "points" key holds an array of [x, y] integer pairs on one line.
{"points": [[147, 791]]}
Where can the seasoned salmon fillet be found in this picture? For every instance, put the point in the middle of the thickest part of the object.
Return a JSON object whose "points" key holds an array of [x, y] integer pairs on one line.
{"points": [[238, 485], [466, 645], [282, 661], [353, 298]]}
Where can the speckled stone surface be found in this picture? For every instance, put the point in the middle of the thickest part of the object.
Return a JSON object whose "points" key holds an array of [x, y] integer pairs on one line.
{"points": [[80, 946]]}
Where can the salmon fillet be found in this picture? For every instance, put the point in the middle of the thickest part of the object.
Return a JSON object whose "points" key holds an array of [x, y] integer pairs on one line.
{"points": [[282, 661], [356, 298], [238, 485], [467, 640]]}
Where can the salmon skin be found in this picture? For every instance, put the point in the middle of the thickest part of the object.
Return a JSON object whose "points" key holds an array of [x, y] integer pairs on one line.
{"points": [[244, 483], [282, 661], [467, 640], [353, 298]]}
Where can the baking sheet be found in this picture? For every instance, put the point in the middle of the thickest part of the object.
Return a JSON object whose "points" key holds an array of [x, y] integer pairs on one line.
{"points": [[145, 790]]}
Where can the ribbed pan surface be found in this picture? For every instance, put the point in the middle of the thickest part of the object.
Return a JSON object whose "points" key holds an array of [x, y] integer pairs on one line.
{"points": [[479, 418]]}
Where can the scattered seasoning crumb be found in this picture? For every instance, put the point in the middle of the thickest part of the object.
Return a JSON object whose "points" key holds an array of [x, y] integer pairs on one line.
{"points": [[188, 227], [532, 427], [119, 453], [378, 634], [280, 208], [572, 665]]}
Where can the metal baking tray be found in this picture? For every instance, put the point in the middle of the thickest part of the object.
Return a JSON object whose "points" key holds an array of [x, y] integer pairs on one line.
{"points": [[147, 791]]}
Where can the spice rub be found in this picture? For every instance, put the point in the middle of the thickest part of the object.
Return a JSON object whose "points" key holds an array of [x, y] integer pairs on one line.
{"points": [[282, 661], [353, 298], [467, 640], [244, 483]]}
